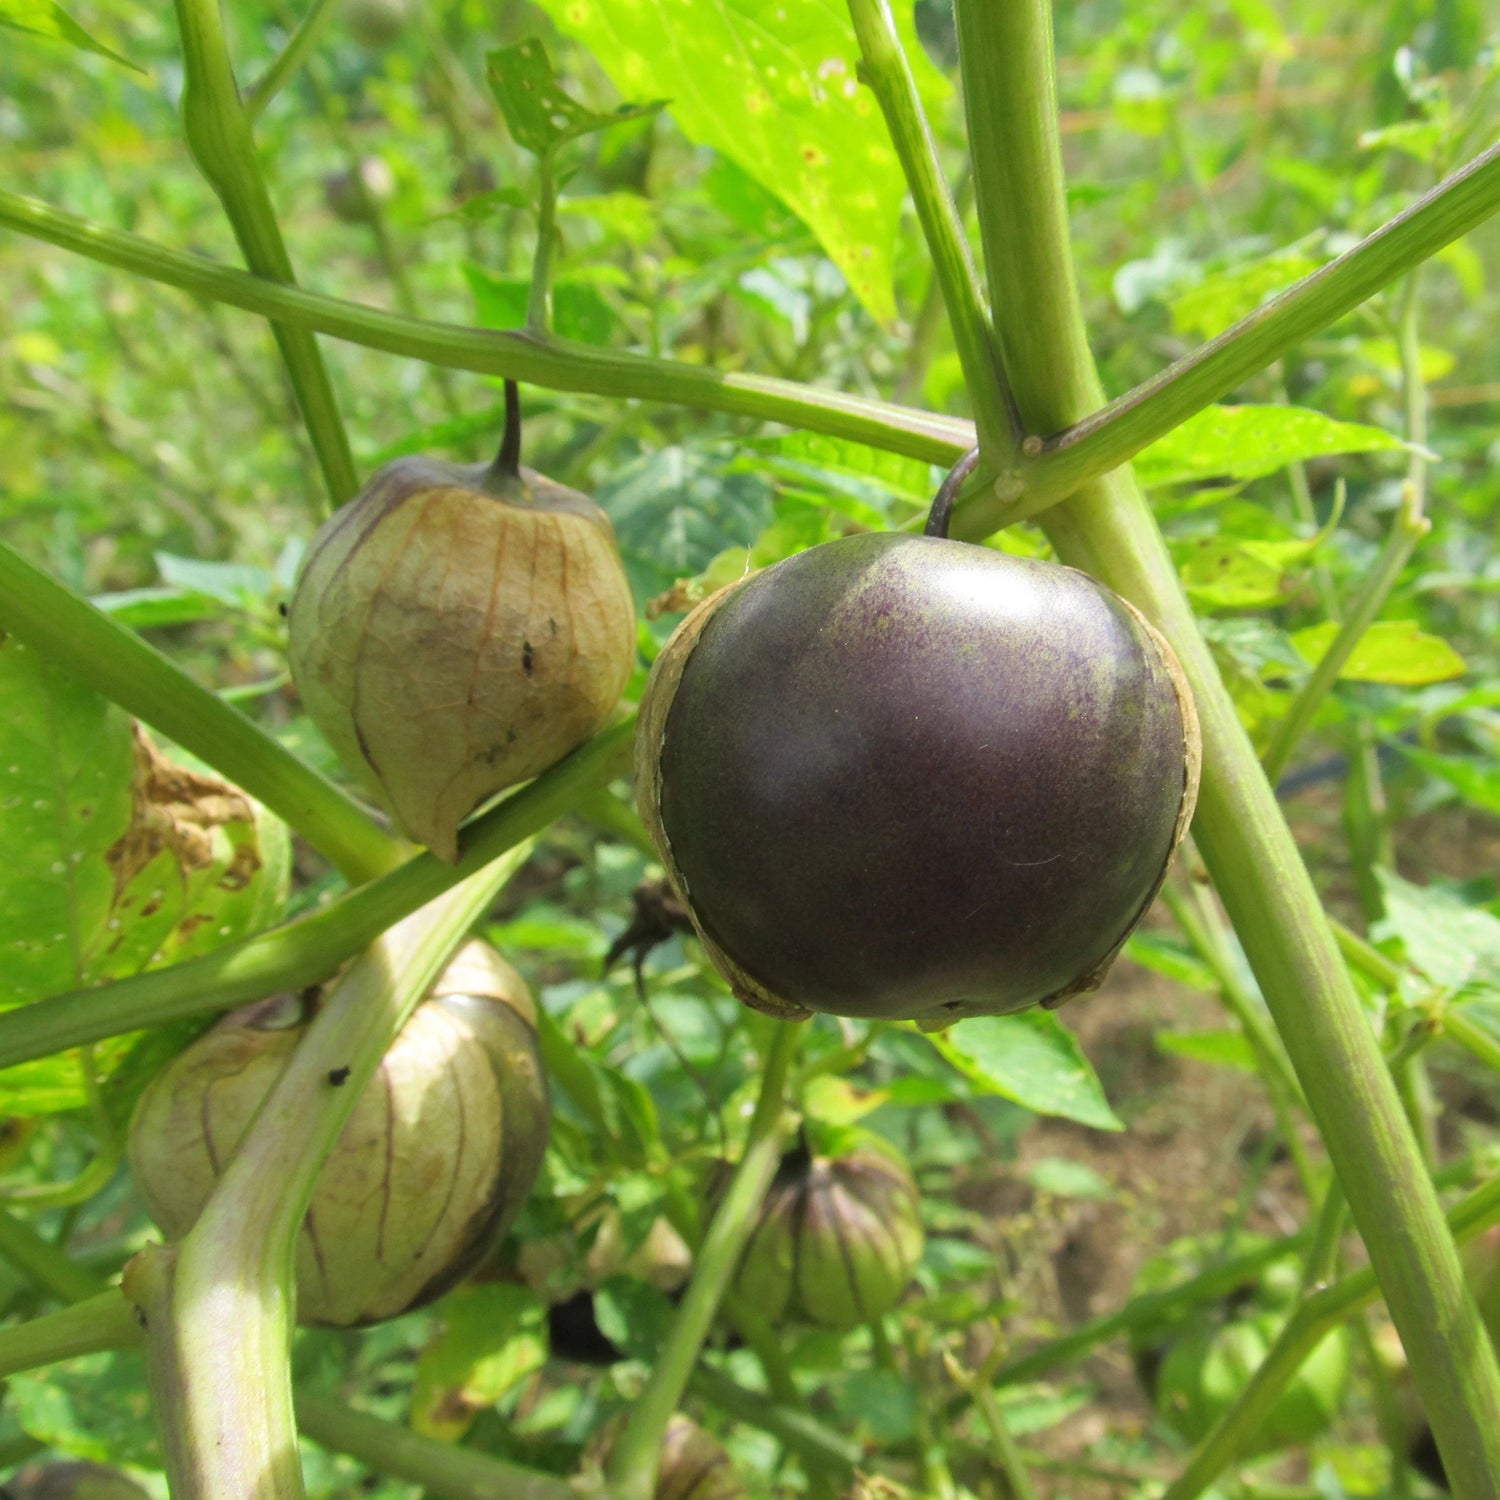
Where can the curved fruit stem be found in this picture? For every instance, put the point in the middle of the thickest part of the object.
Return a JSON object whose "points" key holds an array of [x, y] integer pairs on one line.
{"points": [[948, 491], [507, 465], [219, 1307], [219, 136], [115, 661], [1107, 529], [631, 1469], [311, 948], [557, 363]]}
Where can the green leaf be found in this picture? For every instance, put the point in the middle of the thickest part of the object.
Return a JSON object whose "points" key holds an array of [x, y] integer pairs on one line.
{"points": [[1032, 1059], [493, 1336], [1169, 955], [145, 609], [1452, 943], [95, 1407], [540, 114], [1222, 1048], [1390, 651], [579, 311], [66, 763], [241, 585], [117, 860], [773, 89], [44, 18], [1224, 297], [1221, 573], [1245, 442], [1477, 781], [1066, 1179]]}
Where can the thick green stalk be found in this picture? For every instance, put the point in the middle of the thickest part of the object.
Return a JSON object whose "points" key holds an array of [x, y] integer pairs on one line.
{"points": [[219, 1307], [310, 949], [632, 1464], [1314, 1319], [443, 1470], [1091, 443], [1107, 529], [1409, 527], [113, 660], [219, 136], [883, 67], [101, 1322], [557, 363]]}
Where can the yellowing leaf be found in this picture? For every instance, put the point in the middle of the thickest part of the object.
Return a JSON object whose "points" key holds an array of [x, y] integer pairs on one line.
{"points": [[1244, 442], [1390, 651], [774, 89]]}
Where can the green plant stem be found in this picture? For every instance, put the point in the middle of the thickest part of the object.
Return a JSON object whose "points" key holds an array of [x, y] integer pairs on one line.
{"points": [[1387, 1413], [219, 1307], [310, 949], [762, 1341], [539, 294], [443, 1470], [1409, 527], [1008, 1456], [1474, 1039], [109, 1149], [883, 67], [1088, 445], [1313, 1320], [632, 1465], [112, 659], [292, 56], [560, 364], [217, 128], [820, 1449], [1366, 826], [1202, 926], [1107, 530], [1328, 1230], [40, 1261], [92, 1325]]}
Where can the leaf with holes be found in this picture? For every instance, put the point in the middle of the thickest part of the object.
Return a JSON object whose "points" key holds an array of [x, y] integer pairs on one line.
{"points": [[775, 91], [540, 114]]}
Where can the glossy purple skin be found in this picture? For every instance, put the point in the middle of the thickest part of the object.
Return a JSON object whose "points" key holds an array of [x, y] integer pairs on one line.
{"points": [[910, 777]]}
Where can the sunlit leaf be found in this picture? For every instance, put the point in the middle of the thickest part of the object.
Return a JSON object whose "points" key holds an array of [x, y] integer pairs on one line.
{"points": [[774, 90], [1477, 781], [1032, 1059], [1223, 1048], [1245, 442], [1452, 942], [1391, 651], [540, 113], [45, 18], [493, 1336]]}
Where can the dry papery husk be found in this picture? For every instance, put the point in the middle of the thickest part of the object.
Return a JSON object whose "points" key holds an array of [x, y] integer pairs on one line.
{"points": [[455, 631], [438, 1157]]}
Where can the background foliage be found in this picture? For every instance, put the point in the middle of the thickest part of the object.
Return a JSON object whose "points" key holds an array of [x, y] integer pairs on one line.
{"points": [[150, 456]]}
